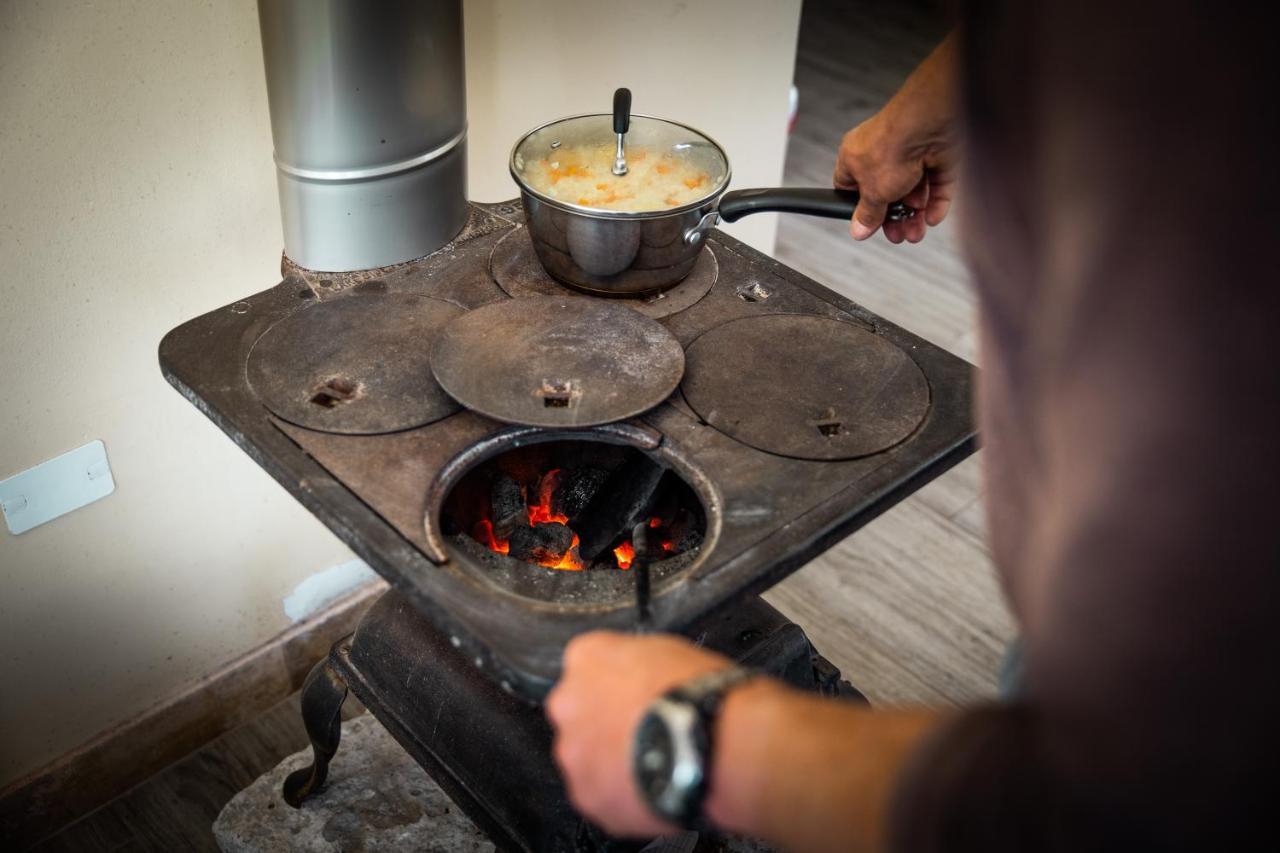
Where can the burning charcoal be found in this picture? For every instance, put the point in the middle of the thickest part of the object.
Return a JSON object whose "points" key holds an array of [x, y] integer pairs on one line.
{"points": [[507, 502], [577, 489], [619, 503], [682, 535], [665, 506], [541, 543]]}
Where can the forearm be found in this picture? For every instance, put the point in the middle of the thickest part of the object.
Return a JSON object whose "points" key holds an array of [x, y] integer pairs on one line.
{"points": [[808, 773], [923, 112], [907, 151]]}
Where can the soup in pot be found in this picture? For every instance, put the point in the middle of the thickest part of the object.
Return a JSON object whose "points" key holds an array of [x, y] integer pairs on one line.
{"points": [[584, 176]]}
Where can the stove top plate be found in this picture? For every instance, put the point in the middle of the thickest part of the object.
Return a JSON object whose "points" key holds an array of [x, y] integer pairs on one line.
{"points": [[775, 512], [557, 361], [358, 364], [819, 388]]}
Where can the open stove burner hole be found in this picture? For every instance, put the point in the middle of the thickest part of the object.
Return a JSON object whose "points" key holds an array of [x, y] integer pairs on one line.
{"points": [[538, 514]]}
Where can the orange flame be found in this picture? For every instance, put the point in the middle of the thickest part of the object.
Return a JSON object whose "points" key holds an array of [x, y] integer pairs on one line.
{"points": [[483, 534], [624, 554], [541, 512]]}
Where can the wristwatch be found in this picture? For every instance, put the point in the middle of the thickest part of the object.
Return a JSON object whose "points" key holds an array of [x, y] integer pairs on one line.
{"points": [[671, 756]]}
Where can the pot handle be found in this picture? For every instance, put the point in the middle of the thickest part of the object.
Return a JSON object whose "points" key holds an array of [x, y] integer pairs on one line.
{"points": [[833, 204]]}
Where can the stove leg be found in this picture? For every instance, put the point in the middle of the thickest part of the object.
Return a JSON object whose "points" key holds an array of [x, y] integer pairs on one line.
{"points": [[322, 696]]}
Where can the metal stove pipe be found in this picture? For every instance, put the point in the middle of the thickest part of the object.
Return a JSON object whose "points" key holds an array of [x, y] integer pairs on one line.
{"points": [[368, 115]]}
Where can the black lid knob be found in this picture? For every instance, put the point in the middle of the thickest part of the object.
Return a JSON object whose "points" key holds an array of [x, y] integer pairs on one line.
{"points": [[621, 110]]}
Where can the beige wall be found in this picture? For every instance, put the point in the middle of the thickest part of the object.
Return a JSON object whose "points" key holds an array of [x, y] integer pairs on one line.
{"points": [[137, 191], [722, 66]]}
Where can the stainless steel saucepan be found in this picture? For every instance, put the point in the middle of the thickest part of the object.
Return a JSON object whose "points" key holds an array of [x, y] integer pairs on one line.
{"points": [[569, 170]]}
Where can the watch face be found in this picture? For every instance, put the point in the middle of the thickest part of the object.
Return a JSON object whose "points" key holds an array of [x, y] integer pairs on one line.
{"points": [[654, 758], [668, 760]]}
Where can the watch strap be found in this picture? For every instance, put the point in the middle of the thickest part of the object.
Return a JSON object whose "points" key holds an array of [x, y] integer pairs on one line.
{"points": [[707, 692]]}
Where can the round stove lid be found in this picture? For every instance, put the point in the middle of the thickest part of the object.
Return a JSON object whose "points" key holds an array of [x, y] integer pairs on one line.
{"points": [[804, 386], [357, 364], [557, 361]]}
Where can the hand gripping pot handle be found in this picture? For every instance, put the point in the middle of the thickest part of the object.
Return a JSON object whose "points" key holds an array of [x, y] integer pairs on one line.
{"points": [[832, 204]]}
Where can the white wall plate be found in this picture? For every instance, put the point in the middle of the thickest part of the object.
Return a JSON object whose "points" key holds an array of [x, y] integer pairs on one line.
{"points": [[50, 489]]}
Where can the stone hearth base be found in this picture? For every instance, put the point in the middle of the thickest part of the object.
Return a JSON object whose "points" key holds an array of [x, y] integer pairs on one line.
{"points": [[376, 798]]}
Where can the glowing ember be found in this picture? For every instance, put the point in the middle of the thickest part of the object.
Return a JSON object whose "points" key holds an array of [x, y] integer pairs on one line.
{"points": [[624, 554], [541, 512], [570, 561]]}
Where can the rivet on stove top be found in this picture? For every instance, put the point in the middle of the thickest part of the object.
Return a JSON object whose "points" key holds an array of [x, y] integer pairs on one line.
{"points": [[240, 308], [753, 292], [455, 642]]}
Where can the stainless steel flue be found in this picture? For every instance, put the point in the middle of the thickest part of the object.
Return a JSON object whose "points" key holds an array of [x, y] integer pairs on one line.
{"points": [[368, 115]]}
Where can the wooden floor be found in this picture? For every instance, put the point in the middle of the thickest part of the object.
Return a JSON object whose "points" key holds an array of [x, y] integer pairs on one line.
{"points": [[908, 608]]}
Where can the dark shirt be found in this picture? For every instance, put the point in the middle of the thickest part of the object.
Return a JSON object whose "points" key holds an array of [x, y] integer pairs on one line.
{"points": [[1120, 209]]}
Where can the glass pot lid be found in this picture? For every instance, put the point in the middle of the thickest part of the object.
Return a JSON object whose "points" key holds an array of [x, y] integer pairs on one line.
{"points": [[671, 168]]}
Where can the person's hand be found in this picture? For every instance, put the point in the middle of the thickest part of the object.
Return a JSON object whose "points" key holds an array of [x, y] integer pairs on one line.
{"points": [[907, 152], [883, 172], [609, 681]]}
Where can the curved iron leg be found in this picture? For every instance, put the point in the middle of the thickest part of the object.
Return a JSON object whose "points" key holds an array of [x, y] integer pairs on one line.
{"points": [[322, 696]]}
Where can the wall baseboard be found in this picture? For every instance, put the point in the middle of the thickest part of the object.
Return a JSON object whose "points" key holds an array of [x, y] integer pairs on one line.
{"points": [[93, 774]]}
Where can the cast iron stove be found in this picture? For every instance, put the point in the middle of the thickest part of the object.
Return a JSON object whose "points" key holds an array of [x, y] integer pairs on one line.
{"points": [[798, 417]]}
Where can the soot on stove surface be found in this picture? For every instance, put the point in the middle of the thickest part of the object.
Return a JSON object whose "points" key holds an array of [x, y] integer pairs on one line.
{"points": [[575, 506]]}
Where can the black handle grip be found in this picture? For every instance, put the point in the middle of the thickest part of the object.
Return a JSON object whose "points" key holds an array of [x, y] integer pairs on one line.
{"points": [[833, 204], [621, 110]]}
